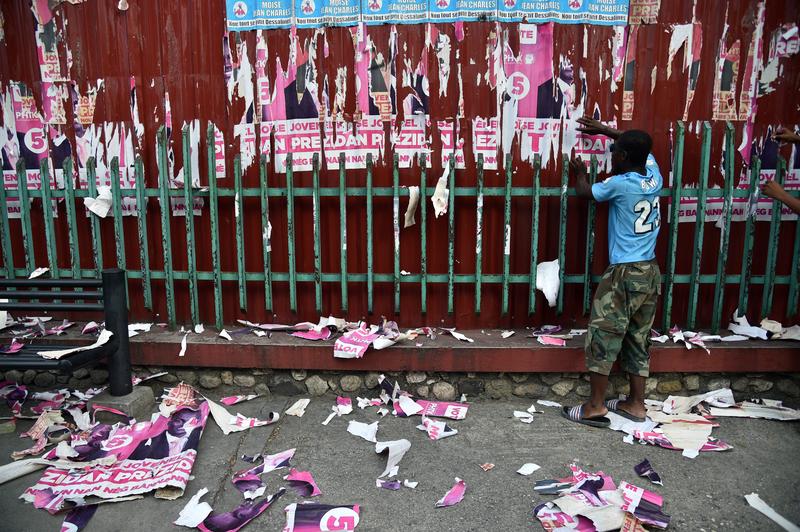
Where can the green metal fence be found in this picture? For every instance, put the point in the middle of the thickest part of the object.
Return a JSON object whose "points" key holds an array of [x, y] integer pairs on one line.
{"points": [[168, 275]]}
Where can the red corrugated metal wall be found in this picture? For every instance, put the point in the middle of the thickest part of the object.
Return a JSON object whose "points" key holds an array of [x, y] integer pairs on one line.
{"points": [[177, 47]]}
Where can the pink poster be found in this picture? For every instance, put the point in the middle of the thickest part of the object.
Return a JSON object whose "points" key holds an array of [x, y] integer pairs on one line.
{"points": [[355, 343], [410, 141], [452, 143], [355, 140], [485, 137], [298, 139]]}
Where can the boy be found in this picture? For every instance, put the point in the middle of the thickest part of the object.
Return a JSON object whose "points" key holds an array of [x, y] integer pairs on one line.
{"points": [[624, 304]]}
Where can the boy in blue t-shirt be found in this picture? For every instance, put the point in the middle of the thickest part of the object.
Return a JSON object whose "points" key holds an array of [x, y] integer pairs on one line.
{"points": [[624, 304]]}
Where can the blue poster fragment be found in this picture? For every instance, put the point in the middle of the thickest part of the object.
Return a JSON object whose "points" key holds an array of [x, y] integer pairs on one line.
{"points": [[472, 10], [600, 12], [258, 14], [394, 11], [443, 11]]}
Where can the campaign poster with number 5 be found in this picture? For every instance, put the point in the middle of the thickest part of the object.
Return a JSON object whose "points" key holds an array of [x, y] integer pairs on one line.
{"points": [[530, 74]]}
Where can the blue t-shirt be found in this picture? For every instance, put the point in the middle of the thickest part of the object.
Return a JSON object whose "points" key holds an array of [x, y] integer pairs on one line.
{"points": [[634, 217]]}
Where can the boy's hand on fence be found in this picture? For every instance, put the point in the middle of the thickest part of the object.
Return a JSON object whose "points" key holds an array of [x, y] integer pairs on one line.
{"points": [[577, 167], [774, 191], [786, 135]]}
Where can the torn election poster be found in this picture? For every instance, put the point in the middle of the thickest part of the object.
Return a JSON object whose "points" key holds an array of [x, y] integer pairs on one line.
{"points": [[644, 504], [436, 429], [239, 516], [355, 343], [105, 335], [551, 340], [13, 347], [277, 327], [303, 483], [249, 482], [644, 469], [397, 450], [446, 409], [151, 456], [765, 409], [321, 517], [454, 496], [757, 503], [343, 406], [675, 404], [236, 399], [229, 423], [393, 485], [323, 334], [363, 430], [194, 512], [741, 326]]}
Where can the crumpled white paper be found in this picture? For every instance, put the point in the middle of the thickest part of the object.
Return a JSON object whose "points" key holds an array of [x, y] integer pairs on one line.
{"points": [[102, 203], [547, 280]]}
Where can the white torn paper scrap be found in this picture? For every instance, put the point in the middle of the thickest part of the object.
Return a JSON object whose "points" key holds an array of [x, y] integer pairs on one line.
{"points": [[528, 469], [102, 203], [741, 326], [298, 408], [183, 345], [436, 429], [397, 450], [408, 405], [410, 484], [545, 402], [547, 280], [223, 333], [681, 405], [229, 423], [457, 335], [755, 410], [363, 430], [199, 329], [733, 338], [758, 504], [38, 272], [136, 328], [441, 194], [105, 335], [525, 417], [195, 512], [413, 201], [507, 334]]}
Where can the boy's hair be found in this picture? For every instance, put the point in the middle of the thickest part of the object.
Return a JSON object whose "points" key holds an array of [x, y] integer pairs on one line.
{"points": [[636, 144]]}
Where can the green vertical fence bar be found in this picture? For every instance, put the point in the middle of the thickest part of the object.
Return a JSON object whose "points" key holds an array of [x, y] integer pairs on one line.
{"points": [[265, 232], [772, 247], [396, 220], [749, 237], [370, 273], [479, 236], [537, 166], [451, 233], [119, 232], [238, 214], [343, 229], [188, 200], [590, 221], [213, 211], [725, 237], [166, 235], [47, 212], [793, 299], [506, 237], [423, 237], [94, 220], [290, 233], [141, 220], [72, 227], [317, 244], [25, 216], [562, 232], [5, 233], [674, 214], [699, 226]]}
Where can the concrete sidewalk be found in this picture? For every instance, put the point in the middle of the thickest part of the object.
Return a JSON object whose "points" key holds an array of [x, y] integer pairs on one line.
{"points": [[702, 494]]}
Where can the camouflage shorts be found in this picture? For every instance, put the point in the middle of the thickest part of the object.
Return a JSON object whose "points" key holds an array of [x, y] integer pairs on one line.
{"points": [[623, 310]]}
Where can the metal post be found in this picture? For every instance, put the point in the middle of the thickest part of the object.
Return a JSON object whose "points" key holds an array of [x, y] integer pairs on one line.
{"points": [[116, 313]]}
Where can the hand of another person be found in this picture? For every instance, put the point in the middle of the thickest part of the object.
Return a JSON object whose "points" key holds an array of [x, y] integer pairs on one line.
{"points": [[592, 126], [577, 167], [786, 135], [773, 190]]}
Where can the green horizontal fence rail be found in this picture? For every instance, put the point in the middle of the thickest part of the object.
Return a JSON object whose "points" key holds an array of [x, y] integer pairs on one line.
{"points": [[166, 195]]}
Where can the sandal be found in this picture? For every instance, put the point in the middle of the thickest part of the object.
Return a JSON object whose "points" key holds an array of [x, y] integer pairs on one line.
{"points": [[613, 406], [575, 414]]}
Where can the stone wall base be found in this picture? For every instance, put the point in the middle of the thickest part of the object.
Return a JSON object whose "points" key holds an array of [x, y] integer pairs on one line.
{"points": [[569, 387]]}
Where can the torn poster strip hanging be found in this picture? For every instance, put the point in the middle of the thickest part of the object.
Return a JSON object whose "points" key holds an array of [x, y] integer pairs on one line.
{"points": [[485, 141], [630, 74], [355, 140], [255, 14], [411, 141], [724, 98], [749, 92], [452, 143]]}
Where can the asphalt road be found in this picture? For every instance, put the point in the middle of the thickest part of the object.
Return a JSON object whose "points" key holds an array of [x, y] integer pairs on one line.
{"points": [[704, 494]]}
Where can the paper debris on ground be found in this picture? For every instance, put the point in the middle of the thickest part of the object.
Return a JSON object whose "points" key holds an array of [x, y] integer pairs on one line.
{"points": [[105, 335], [507, 334], [249, 481], [436, 429], [525, 417], [413, 201], [298, 408], [314, 335], [363, 430], [239, 516], [457, 335], [758, 410], [410, 484], [313, 517], [758, 504], [195, 511], [551, 340], [397, 450], [90, 327], [387, 484], [547, 280], [454, 496], [528, 469], [136, 328], [645, 469], [303, 483], [199, 329], [229, 423], [407, 406], [236, 399], [741, 326], [545, 402], [487, 466], [182, 352], [722, 397], [343, 406], [355, 343], [446, 409], [224, 334], [13, 347]]}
